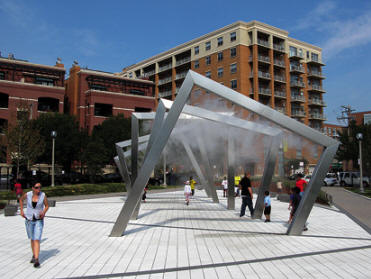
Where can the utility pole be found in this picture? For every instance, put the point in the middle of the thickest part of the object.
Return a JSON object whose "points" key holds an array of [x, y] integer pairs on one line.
{"points": [[346, 114]]}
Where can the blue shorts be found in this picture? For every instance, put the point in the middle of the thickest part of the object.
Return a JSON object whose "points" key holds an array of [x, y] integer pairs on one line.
{"points": [[34, 229]]}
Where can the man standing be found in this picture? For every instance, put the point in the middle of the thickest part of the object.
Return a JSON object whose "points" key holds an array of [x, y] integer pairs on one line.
{"points": [[246, 195]]}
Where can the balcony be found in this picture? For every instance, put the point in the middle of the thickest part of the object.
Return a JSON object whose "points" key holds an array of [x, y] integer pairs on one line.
{"points": [[263, 43], [315, 62], [264, 75], [181, 75], [281, 109], [164, 94], [297, 98], [279, 63], [316, 88], [264, 59], [165, 67], [279, 47], [298, 69], [297, 113], [317, 102], [296, 83], [317, 116], [316, 74], [183, 61], [148, 74], [279, 78], [265, 91], [164, 80], [279, 94], [296, 56]]}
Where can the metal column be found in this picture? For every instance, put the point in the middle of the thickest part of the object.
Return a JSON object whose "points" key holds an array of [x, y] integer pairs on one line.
{"points": [[231, 202]]}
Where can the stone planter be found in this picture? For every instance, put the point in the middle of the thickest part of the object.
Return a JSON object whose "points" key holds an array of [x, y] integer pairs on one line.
{"points": [[10, 210]]}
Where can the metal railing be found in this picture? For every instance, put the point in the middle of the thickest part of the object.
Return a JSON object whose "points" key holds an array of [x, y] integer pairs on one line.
{"points": [[296, 55], [298, 98], [279, 94], [279, 78], [279, 63], [264, 58], [180, 75], [315, 73], [265, 91], [263, 42], [278, 47], [316, 115], [164, 93], [150, 73], [165, 67], [315, 87], [297, 68], [315, 101], [164, 80], [263, 74], [297, 83], [183, 61], [298, 112]]}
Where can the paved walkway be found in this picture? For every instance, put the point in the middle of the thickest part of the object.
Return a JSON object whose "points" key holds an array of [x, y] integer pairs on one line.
{"points": [[356, 206], [172, 240]]}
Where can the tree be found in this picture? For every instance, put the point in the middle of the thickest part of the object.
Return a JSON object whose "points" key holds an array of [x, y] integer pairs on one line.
{"points": [[68, 143], [95, 156], [111, 131], [23, 141], [349, 145]]}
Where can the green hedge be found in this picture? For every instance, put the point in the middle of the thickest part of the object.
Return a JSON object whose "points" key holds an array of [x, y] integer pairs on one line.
{"points": [[70, 190]]}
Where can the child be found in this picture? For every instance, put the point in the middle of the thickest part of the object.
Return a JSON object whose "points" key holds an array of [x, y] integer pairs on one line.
{"points": [[144, 196], [225, 186], [187, 192], [267, 207]]}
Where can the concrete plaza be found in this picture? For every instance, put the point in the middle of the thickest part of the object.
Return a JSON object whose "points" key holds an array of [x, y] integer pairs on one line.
{"points": [[172, 240]]}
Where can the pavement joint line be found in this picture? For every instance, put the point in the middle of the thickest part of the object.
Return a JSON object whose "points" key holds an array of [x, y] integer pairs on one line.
{"points": [[185, 268]]}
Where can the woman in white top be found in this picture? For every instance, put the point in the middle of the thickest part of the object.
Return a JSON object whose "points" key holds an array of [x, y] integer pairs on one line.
{"points": [[225, 186], [37, 206], [187, 192]]}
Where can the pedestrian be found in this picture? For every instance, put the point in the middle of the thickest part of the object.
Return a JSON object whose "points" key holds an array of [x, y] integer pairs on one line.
{"points": [[37, 206], [279, 188], [267, 207], [187, 192], [193, 183], [144, 196], [300, 183], [246, 195], [296, 198], [18, 190], [225, 186]]}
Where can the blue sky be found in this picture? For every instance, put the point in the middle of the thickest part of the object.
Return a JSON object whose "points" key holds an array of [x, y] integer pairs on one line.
{"points": [[109, 35]]}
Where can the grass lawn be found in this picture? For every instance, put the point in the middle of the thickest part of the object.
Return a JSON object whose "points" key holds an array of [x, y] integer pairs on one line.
{"points": [[356, 190]]}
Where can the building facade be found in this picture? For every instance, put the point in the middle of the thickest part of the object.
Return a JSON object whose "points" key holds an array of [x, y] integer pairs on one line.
{"points": [[22, 83], [363, 117], [255, 59], [93, 96]]}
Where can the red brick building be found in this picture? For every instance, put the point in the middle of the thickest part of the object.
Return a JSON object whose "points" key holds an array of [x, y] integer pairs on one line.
{"points": [[93, 96], [363, 117], [23, 83]]}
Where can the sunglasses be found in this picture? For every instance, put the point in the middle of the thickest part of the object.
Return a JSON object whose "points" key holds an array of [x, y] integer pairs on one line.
{"points": [[38, 187]]}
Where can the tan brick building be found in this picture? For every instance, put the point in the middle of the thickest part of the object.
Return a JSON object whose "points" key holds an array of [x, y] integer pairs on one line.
{"points": [[255, 59]]}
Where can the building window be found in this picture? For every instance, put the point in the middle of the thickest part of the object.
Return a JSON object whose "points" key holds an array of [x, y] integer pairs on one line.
{"points": [[136, 92], [44, 81], [47, 104], [233, 36], [3, 126], [220, 72], [220, 41], [102, 110], [208, 74], [197, 50], [207, 45], [4, 100], [130, 75], [293, 51], [220, 56], [95, 86], [208, 60], [140, 109], [233, 68], [233, 52], [314, 57], [234, 84], [197, 64], [2, 75], [308, 54]]}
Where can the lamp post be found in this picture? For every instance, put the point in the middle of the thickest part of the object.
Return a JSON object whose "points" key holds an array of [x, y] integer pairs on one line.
{"points": [[53, 135], [359, 137]]}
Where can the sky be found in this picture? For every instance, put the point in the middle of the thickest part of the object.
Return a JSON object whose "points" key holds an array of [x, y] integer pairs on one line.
{"points": [[111, 35]]}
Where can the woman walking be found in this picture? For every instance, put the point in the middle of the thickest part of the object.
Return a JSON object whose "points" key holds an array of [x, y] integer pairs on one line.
{"points": [[37, 206]]}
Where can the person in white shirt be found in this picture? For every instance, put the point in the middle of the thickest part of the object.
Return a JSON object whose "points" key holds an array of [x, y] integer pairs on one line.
{"points": [[187, 192], [225, 186]]}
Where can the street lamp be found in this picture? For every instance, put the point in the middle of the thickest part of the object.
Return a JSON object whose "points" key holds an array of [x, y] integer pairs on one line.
{"points": [[53, 135], [359, 137]]}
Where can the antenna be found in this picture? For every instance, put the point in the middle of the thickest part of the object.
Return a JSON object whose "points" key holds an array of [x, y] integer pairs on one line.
{"points": [[345, 114]]}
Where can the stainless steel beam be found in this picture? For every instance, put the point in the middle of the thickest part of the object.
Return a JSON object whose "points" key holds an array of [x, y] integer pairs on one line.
{"points": [[312, 191], [152, 158], [231, 202], [134, 158], [269, 166]]}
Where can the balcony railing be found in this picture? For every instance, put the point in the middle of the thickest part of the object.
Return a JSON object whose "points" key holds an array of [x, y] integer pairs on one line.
{"points": [[279, 63], [294, 68], [264, 75], [279, 47], [315, 87], [317, 102], [317, 116], [150, 73], [296, 55], [165, 67], [164, 80], [297, 113], [279, 78], [181, 75], [297, 98], [265, 91], [280, 94], [164, 93], [315, 74], [295, 83], [183, 61], [263, 42], [264, 58]]}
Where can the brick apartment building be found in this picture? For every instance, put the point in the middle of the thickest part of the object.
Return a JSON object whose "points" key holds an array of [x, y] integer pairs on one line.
{"points": [[363, 117], [40, 87], [93, 95]]}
